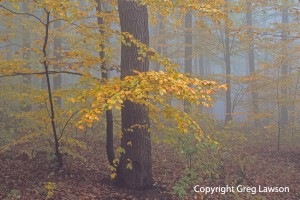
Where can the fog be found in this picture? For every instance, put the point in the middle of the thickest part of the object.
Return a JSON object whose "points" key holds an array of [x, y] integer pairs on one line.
{"points": [[78, 92]]}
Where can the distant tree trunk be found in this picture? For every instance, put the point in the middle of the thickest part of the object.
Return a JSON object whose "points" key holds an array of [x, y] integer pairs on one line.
{"points": [[161, 42], [26, 56], [227, 55], [57, 79], [201, 73], [251, 61], [207, 65], [188, 50], [266, 104], [109, 115], [284, 115], [135, 140], [201, 65]]}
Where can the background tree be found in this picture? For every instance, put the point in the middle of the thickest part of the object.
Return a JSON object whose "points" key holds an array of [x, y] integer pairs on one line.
{"points": [[188, 49], [251, 60], [104, 75]]}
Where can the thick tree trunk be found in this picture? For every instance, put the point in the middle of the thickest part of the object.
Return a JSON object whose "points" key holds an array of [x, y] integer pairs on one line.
{"points": [[188, 50], [251, 62], [135, 140], [108, 114]]}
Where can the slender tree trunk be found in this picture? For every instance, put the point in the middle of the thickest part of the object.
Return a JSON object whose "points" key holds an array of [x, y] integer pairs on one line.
{"points": [[135, 140], [201, 73], [207, 65], [188, 50], [26, 56], [201, 65], [161, 43], [52, 113], [251, 62], [227, 55], [57, 79], [284, 115], [109, 115]]}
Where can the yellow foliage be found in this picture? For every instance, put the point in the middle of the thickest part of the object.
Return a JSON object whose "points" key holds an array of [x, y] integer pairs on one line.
{"points": [[50, 187]]}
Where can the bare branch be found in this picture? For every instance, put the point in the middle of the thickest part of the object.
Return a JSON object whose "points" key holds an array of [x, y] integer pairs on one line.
{"points": [[63, 130], [41, 73], [18, 13]]}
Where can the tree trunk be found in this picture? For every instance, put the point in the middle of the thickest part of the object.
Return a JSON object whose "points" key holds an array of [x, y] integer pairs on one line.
{"points": [[227, 55], [26, 56], [251, 62], [135, 140], [48, 84], [109, 115], [284, 115], [161, 42], [201, 65], [188, 50], [57, 79]]}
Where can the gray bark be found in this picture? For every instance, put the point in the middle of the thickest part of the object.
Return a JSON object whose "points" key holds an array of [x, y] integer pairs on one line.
{"points": [[134, 19]]}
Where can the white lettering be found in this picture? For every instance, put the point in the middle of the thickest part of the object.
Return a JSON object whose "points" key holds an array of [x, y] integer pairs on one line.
{"points": [[274, 189], [212, 190], [242, 188]]}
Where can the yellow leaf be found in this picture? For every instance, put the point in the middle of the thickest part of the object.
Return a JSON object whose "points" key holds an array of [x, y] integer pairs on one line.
{"points": [[81, 127], [113, 175], [129, 143], [72, 100]]}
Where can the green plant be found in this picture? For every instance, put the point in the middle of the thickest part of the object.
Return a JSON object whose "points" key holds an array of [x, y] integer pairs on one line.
{"points": [[14, 194], [184, 183]]}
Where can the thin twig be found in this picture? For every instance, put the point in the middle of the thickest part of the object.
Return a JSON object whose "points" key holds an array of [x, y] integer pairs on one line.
{"points": [[18, 13], [63, 130]]}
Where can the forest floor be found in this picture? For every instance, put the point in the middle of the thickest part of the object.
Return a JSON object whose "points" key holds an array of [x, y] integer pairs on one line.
{"points": [[24, 178]]}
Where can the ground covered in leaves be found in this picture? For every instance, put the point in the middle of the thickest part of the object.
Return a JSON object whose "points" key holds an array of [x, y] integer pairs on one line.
{"points": [[24, 178]]}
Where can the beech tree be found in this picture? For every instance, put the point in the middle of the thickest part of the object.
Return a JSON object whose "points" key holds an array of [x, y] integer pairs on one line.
{"points": [[134, 20], [139, 93], [108, 114]]}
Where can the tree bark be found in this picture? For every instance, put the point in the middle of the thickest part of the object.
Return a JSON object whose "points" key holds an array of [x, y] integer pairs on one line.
{"points": [[135, 140]]}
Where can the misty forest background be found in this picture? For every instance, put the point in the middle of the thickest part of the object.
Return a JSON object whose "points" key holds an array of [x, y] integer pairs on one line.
{"points": [[115, 99]]}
